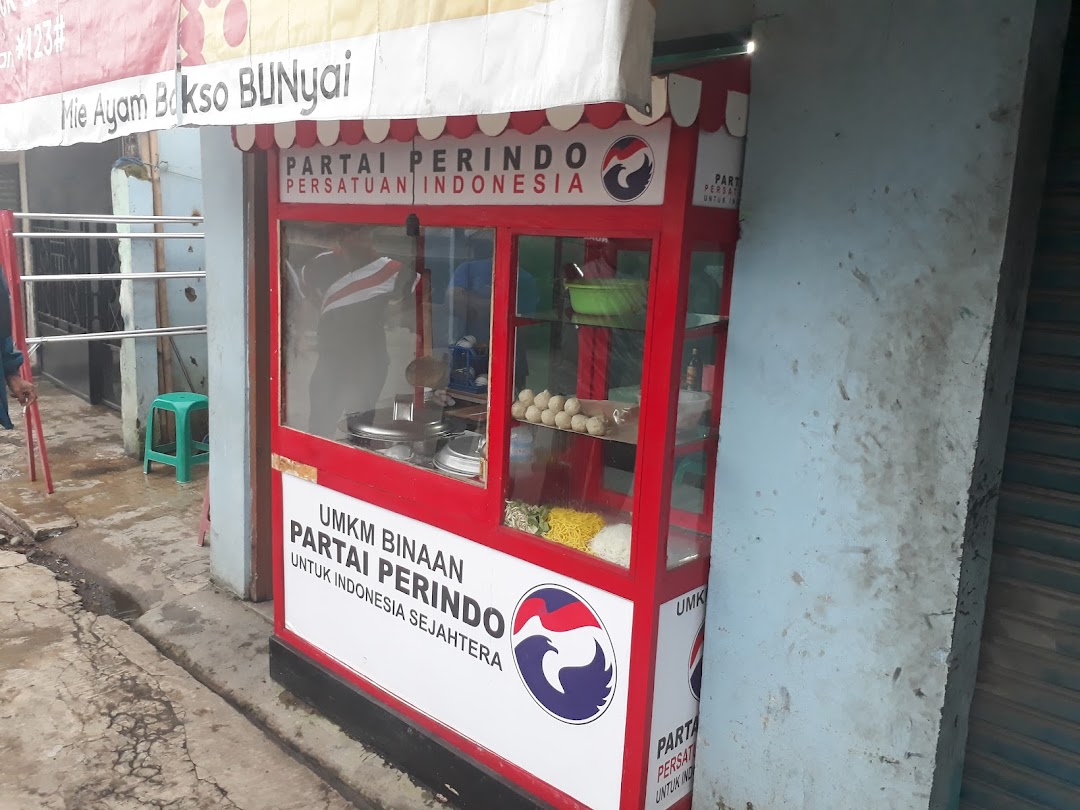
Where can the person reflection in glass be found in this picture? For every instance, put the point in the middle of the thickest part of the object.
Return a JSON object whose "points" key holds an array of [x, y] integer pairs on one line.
{"points": [[470, 298], [354, 287]]}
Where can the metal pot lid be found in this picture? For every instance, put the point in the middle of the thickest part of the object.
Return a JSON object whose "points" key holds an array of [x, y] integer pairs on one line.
{"points": [[465, 447], [457, 465], [461, 455], [455, 472], [380, 425]]}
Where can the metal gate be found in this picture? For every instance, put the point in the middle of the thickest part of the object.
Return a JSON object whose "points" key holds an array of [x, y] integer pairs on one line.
{"points": [[89, 369], [1023, 749]]}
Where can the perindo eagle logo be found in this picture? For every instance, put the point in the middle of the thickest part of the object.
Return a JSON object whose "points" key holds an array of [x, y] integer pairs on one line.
{"points": [[628, 168], [563, 654], [695, 663]]}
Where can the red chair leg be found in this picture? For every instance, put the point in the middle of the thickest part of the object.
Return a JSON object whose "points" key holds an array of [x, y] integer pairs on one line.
{"points": [[204, 522]]}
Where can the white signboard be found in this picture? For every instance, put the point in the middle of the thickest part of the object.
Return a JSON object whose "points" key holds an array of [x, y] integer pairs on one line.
{"points": [[675, 700], [718, 177], [531, 665], [624, 165]]}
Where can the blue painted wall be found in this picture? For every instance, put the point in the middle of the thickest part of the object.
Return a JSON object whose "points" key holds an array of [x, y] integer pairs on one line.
{"points": [[865, 400], [182, 195]]}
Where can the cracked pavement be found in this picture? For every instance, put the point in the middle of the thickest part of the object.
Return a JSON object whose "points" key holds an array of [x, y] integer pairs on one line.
{"points": [[93, 717]]}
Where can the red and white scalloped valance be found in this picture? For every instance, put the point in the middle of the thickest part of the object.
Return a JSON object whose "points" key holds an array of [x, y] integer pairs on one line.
{"points": [[686, 99]]}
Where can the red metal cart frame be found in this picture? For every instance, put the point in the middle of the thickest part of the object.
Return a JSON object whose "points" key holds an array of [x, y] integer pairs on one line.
{"points": [[674, 230]]}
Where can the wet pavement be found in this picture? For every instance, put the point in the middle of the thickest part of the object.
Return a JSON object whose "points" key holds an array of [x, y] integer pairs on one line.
{"points": [[133, 530], [126, 543], [92, 716]]}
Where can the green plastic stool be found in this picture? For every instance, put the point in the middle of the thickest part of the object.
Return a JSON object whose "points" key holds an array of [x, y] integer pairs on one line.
{"points": [[180, 454]]}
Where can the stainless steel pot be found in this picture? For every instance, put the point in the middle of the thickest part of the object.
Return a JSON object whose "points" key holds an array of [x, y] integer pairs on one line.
{"points": [[383, 428], [462, 456]]}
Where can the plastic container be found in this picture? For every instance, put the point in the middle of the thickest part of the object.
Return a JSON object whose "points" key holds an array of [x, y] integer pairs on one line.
{"points": [[608, 296], [692, 404], [522, 448], [466, 364]]}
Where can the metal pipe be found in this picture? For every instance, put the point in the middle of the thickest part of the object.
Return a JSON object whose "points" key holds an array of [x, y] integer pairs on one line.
{"points": [[166, 276], [183, 368], [172, 331], [111, 219], [79, 236]]}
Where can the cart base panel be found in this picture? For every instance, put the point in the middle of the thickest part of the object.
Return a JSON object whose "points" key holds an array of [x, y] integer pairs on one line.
{"points": [[425, 758]]}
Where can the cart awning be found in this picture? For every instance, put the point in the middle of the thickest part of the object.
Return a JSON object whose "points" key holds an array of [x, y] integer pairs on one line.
{"points": [[81, 70], [687, 100]]}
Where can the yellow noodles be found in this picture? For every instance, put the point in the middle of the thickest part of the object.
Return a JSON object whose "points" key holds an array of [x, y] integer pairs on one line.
{"points": [[572, 528]]}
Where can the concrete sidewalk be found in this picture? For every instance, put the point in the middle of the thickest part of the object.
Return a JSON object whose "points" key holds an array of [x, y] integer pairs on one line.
{"points": [[135, 537], [94, 717]]}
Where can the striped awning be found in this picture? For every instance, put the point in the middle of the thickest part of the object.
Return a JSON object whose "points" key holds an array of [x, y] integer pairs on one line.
{"points": [[75, 71], [709, 104]]}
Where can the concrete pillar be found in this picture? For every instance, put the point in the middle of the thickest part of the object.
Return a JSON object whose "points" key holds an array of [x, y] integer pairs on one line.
{"points": [[228, 349], [138, 358], [891, 188]]}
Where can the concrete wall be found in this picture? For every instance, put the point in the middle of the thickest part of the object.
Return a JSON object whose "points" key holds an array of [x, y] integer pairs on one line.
{"points": [[678, 19], [182, 195], [138, 358], [228, 346], [876, 303]]}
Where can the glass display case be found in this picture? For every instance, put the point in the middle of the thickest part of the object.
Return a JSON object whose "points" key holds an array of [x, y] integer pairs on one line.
{"points": [[495, 446]]}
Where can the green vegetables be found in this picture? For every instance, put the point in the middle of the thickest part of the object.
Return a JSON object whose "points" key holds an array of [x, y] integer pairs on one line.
{"points": [[527, 518]]}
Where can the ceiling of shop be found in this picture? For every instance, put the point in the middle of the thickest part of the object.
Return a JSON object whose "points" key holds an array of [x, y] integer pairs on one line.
{"points": [[677, 19]]}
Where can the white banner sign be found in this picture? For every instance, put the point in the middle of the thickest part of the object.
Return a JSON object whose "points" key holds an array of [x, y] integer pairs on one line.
{"points": [[90, 70], [624, 165], [718, 178], [531, 665], [342, 59], [676, 694]]}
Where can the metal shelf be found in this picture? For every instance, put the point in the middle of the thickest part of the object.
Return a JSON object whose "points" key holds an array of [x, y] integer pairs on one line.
{"points": [[632, 323]]}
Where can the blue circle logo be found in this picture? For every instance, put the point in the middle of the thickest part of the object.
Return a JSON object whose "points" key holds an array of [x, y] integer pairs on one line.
{"points": [[627, 170], [563, 654]]}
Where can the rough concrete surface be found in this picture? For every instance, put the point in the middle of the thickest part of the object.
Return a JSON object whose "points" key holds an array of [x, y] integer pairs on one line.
{"points": [[224, 642], [92, 716], [135, 537], [137, 531]]}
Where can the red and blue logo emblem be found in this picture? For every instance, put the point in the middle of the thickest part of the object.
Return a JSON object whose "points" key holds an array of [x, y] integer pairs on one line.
{"points": [[696, 662], [563, 654], [628, 168]]}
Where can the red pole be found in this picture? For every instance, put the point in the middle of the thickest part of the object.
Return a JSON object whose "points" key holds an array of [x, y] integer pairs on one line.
{"points": [[9, 258], [41, 438]]}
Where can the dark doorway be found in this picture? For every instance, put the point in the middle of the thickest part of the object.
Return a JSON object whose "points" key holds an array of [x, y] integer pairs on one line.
{"points": [[89, 369]]}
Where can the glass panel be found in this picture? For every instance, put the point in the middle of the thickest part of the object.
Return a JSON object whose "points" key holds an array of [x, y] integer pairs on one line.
{"points": [[579, 346], [698, 416], [385, 341]]}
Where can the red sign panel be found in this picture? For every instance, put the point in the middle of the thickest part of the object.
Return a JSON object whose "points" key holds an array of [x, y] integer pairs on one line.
{"points": [[84, 70]]}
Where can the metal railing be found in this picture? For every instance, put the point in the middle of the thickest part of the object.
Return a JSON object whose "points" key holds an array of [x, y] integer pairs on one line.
{"points": [[104, 219], [107, 235], [115, 276], [113, 219], [165, 331]]}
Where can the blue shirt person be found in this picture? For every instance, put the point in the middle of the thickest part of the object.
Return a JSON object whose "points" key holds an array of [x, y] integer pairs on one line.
{"points": [[11, 361], [470, 294], [470, 290]]}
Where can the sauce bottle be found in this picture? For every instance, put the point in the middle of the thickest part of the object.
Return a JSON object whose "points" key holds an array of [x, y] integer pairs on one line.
{"points": [[692, 381]]}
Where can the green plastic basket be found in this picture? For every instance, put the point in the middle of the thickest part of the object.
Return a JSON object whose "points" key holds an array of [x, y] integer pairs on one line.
{"points": [[608, 296]]}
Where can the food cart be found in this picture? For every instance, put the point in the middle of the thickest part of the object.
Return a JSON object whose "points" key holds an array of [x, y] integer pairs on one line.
{"points": [[498, 361]]}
